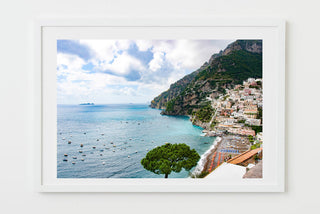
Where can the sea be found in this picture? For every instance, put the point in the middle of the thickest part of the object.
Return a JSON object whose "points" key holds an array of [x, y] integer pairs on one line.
{"points": [[116, 137]]}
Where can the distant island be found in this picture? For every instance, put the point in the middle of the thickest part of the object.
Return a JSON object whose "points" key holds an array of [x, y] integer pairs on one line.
{"points": [[86, 104]]}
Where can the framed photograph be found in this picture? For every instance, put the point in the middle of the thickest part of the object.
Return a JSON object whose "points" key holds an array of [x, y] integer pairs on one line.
{"points": [[160, 105]]}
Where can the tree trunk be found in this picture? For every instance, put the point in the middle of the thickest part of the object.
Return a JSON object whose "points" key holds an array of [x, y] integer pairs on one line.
{"points": [[166, 176]]}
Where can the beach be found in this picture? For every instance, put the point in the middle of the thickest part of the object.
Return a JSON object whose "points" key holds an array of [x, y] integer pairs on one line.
{"points": [[223, 149]]}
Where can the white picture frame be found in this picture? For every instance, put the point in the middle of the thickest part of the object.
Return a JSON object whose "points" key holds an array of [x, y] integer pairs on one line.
{"points": [[270, 30]]}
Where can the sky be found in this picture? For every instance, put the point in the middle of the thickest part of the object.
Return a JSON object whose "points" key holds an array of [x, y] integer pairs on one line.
{"points": [[126, 71]]}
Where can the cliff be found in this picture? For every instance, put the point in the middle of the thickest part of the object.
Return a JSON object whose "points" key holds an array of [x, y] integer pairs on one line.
{"points": [[191, 95]]}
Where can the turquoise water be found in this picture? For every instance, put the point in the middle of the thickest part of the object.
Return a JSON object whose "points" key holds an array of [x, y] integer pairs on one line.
{"points": [[122, 135]]}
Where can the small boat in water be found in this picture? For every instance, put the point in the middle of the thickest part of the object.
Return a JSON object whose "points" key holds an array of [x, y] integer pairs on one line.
{"points": [[97, 139], [101, 154], [69, 142], [74, 157], [81, 145], [73, 163], [65, 159], [82, 159], [66, 155], [94, 147], [128, 156], [103, 163], [80, 151], [84, 155]]}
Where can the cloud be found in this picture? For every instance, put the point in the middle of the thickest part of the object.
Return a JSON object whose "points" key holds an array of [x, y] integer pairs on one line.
{"points": [[73, 47], [122, 71], [157, 61], [123, 65]]}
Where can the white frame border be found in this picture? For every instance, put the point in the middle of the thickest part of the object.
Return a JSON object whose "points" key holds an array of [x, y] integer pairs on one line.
{"points": [[153, 22]]}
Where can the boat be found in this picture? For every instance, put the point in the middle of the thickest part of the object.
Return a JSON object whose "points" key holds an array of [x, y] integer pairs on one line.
{"points": [[73, 163], [128, 156], [103, 163], [84, 155], [69, 142], [80, 151], [94, 147], [82, 159], [81, 145], [100, 154], [97, 139], [66, 155], [86, 104], [74, 157], [65, 159]]}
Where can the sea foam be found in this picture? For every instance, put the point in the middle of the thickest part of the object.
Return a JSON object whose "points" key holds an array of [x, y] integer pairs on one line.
{"points": [[203, 158]]}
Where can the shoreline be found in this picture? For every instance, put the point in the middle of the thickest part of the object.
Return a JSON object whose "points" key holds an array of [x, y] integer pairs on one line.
{"points": [[205, 156], [223, 148]]}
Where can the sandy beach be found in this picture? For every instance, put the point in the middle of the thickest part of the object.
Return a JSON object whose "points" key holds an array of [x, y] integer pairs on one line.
{"points": [[228, 147]]}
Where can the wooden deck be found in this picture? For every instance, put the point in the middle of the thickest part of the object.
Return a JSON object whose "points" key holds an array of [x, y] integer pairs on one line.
{"points": [[244, 156]]}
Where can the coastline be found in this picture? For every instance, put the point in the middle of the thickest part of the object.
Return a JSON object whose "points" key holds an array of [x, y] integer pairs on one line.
{"points": [[205, 158]]}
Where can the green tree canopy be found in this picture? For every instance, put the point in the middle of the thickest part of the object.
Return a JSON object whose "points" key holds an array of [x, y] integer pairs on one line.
{"points": [[170, 157]]}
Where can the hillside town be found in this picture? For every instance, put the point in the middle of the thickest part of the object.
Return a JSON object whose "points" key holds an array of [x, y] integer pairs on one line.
{"points": [[237, 122], [239, 110]]}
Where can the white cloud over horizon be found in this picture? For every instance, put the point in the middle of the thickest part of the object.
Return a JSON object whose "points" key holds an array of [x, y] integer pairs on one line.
{"points": [[126, 71]]}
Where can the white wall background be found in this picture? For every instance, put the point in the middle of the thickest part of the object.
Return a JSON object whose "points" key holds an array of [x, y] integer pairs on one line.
{"points": [[303, 145]]}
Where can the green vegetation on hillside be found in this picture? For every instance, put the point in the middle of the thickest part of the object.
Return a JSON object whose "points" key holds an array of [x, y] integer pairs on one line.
{"points": [[243, 60], [257, 129], [204, 114]]}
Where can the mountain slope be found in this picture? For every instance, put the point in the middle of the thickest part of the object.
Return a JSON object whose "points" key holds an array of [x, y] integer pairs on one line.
{"points": [[241, 60]]}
